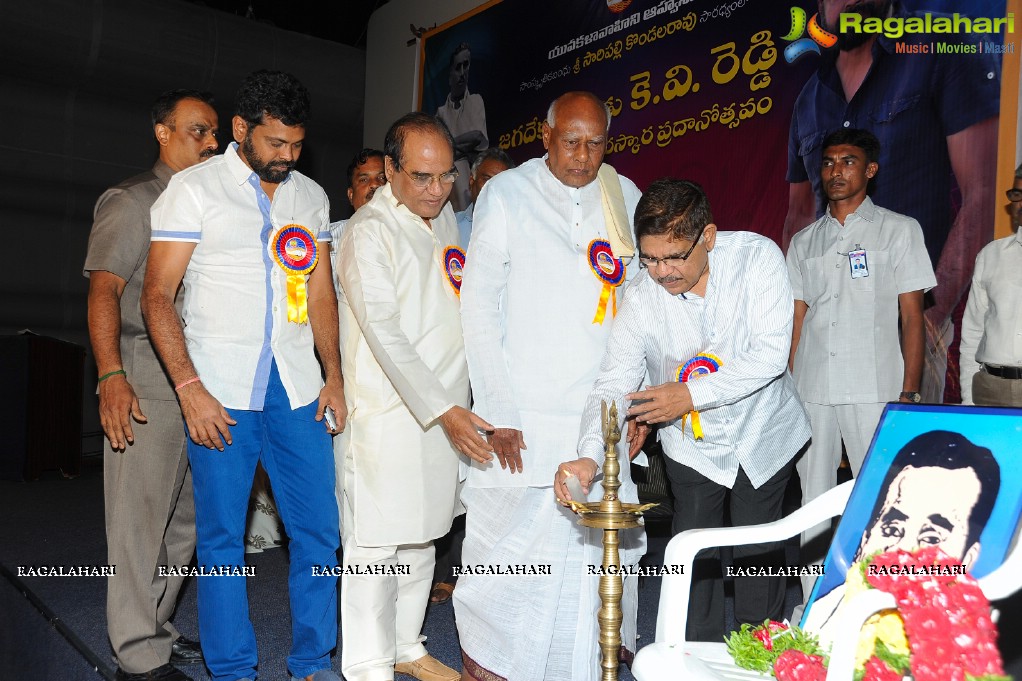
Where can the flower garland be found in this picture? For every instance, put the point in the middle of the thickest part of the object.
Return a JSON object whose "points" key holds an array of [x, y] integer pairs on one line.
{"points": [[941, 630]]}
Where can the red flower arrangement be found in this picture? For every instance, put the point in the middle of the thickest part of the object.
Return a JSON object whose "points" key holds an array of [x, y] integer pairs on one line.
{"points": [[945, 615]]}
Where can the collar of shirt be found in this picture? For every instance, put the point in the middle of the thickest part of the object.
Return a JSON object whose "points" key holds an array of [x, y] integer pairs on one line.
{"points": [[240, 170], [866, 211], [1018, 236]]}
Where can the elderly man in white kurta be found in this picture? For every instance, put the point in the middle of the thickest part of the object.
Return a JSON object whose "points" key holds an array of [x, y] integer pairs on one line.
{"points": [[539, 300], [406, 394]]}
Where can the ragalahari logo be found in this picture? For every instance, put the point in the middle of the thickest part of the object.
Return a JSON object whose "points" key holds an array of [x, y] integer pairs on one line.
{"points": [[818, 37]]}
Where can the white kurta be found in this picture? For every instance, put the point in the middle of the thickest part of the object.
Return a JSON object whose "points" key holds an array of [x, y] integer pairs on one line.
{"points": [[530, 298], [403, 360]]}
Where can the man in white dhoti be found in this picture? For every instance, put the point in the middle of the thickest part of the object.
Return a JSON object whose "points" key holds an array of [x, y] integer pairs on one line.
{"points": [[551, 244], [406, 394]]}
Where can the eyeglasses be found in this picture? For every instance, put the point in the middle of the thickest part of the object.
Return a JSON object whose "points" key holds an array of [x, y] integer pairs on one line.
{"points": [[1014, 194], [424, 180], [645, 262]]}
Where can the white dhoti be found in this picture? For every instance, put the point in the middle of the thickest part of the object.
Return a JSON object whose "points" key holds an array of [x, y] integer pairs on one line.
{"points": [[526, 627], [381, 614]]}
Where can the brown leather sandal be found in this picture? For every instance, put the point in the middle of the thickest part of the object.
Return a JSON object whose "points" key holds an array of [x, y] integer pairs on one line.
{"points": [[441, 592]]}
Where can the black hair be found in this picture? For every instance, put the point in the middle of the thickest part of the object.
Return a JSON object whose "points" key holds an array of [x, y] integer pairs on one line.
{"points": [[273, 93], [675, 207], [855, 137], [951, 451], [416, 121], [462, 47], [359, 159], [163, 107]]}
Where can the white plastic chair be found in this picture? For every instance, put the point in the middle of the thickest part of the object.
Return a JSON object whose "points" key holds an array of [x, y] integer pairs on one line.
{"points": [[671, 657]]}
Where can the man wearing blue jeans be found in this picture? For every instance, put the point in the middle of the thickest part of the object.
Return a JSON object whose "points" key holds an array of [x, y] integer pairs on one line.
{"points": [[248, 239]]}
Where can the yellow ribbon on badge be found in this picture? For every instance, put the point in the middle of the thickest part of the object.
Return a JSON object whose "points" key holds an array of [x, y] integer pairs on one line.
{"points": [[610, 271], [295, 250], [697, 367]]}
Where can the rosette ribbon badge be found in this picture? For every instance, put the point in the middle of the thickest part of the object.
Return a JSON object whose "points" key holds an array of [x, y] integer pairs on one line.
{"points": [[295, 251], [697, 367]]}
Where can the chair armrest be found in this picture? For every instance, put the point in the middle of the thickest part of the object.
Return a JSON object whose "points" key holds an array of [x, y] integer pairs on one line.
{"points": [[672, 615]]}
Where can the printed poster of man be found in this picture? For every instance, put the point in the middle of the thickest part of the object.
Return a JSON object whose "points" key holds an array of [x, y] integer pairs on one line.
{"points": [[737, 95]]}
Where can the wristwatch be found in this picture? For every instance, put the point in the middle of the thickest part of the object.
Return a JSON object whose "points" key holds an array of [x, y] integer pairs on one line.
{"points": [[911, 397]]}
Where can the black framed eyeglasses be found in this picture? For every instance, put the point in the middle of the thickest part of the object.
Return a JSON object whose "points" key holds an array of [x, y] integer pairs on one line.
{"points": [[646, 262], [1014, 194]]}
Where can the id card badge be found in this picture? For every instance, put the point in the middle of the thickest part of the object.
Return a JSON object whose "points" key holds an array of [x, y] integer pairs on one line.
{"points": [[857, 263]]}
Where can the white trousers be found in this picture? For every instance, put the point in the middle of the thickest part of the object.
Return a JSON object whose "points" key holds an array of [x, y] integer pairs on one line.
{"points": [[381, 615], [852, 424]]}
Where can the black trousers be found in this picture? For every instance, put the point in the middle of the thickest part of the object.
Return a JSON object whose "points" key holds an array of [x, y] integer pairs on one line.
{"points": [[699, 502]]}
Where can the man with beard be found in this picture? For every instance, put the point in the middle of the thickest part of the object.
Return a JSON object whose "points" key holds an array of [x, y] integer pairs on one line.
{"points": [[936, 117], [992, 325], [552, 242], [150, 517], [407, 395], [244, 235], [365, 176], [465, 116], [858, 275]]}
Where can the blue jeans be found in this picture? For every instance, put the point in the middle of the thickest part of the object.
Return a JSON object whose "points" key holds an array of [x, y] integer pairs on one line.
{"points": [[296, 453]]}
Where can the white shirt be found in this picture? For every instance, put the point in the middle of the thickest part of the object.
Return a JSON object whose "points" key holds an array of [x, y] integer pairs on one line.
{"points": [[464, 219], [748, 409], [528, 305], [403, 361], [992, 324], [235, 295], [469, 115], [849, 351]]}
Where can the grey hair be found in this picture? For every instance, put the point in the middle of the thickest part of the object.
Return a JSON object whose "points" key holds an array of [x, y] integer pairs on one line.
{"points": [[551, 110], [495, 153]]}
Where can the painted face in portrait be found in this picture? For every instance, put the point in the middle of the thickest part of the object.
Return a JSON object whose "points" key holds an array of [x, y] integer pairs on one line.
{"points": [[915, 514]]}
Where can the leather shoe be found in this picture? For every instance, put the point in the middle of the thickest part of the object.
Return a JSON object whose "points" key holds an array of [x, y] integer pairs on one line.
{"points": [[427, 668], [167, 672], [185, 651]]}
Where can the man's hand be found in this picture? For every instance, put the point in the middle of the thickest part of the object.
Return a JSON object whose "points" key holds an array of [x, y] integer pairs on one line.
{"points": [[636, 436], [332, 395], [665, 402], [117, 406], [584, 469], [507, 445], [205, 417], [462, 428]]}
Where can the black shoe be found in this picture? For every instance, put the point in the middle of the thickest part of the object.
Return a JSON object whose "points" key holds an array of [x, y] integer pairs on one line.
{"points": [[166, 672], [185, 651]]}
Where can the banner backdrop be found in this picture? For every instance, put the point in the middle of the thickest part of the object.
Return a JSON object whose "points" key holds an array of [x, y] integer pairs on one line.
{"points": [[705, 89], [698, 89]]}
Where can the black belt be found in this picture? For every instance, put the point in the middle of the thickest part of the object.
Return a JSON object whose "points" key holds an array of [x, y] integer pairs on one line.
{"points": [[1003, 372]]}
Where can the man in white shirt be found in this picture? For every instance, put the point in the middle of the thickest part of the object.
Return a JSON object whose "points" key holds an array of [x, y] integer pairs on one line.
{"points": [[858, 275], [992, 326], [245, 235], [717, 307], [365, 175], [488, 163], [407, 394], [539, 299], [465, 116]]}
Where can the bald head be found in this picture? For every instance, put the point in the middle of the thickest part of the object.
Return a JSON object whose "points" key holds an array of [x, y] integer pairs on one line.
{"points": [[575, 137]]}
